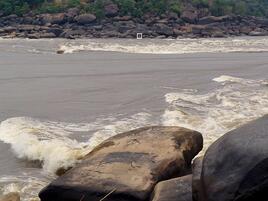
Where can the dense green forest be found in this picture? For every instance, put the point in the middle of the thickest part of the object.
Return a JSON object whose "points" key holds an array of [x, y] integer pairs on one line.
{"points": [[137, 7]]}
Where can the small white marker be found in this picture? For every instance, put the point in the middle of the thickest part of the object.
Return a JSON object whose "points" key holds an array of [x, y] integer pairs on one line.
{"points": [[139, 36]]}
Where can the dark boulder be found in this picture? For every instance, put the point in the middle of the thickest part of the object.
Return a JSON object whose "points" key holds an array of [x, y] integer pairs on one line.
{"points": [[47, 35], [235, 167], [56, 31], [196, 179], [128, 166], [111, 10], [59, 18], [178, 189], [163, 29], [213, 19], [189, 16], [85, 19]]}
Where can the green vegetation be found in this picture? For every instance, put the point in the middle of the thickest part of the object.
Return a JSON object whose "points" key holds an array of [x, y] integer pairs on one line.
{"points": [[137, 7]]}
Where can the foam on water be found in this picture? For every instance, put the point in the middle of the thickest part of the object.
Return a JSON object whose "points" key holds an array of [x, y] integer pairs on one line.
{"points": [[27, 186], [234, 103], [59, 144], [178, 46], [54, 143]]}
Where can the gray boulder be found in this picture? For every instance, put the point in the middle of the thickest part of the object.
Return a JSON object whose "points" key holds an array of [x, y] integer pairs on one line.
{"points": [[235, 167], [178, 189], [189, 16], [85, 19], [59, 18], [196, 179], [128, 166], [163, 29]]}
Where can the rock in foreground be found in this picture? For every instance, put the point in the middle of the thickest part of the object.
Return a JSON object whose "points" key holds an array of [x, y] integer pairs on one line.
{"points": [[235, 167], [127, 167], [178, 189]]}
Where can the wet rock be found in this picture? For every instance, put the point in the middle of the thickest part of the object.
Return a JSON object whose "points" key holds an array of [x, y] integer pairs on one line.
{"points": [[212, 19], [47, 35], [111, 10], [178, 189], [196, 179], [127, 167], [27, 28], [9, 29], [163, 29], [56, 31], [85, 19], [258, 33], [189, 16], [10, 197], [218, 34], [59, 18], [245, 30], [235, 166], [33, 36], [172, 16], [71, 34], [72, 13]]}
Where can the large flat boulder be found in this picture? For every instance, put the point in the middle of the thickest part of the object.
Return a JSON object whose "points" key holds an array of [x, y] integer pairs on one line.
{"points": [[128, 166], [177, 189], [235, 167]]}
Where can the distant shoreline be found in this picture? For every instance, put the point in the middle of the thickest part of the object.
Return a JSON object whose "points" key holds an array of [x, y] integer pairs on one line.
{"points": [[73, 25]]}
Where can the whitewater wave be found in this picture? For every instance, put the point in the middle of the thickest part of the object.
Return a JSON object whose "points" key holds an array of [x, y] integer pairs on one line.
{"points": [[236, 102], [55, 143], [27, 186], [61, 145], [178, 46]]}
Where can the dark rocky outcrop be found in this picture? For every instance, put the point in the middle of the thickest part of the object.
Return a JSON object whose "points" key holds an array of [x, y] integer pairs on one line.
{"points": [[178, 189], [128, 166], [10, 197], [235, 167], [192, 23]]}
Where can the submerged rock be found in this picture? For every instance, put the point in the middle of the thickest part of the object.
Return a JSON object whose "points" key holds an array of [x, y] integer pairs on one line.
{"points": [[178, 189], [10, 197], [235, 167], [127, 167]]}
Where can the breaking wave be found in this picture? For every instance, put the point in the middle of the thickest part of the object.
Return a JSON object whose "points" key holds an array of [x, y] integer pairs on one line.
{"points": [[56, 144], [234, 103], [178, 46], [61, 145]]}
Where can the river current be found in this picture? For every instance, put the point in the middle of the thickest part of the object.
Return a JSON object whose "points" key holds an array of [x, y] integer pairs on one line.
{"points": [[55, 108]]}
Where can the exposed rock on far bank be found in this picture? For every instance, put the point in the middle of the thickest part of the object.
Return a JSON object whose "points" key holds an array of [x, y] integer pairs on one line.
{"points": [[178, 189], [235, 167], [128, 166], [168, 25], [85, 19]]}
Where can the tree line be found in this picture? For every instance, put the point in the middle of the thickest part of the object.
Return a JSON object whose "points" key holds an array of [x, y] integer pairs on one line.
{"points": [[137, 8]]}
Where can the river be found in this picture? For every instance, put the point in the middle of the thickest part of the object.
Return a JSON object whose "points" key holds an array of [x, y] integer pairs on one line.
{"points": [[54, 108]]}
